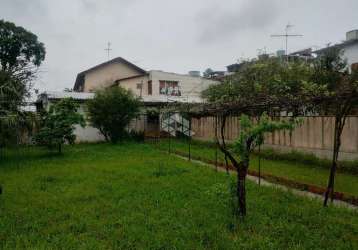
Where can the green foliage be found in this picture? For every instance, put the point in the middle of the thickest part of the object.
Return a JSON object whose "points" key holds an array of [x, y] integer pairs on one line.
{"points": [[106, 196], [15, 126], [137, 136], [294, 166], [270, 81], [259, 87], [58, 124], [20, 55], [19, 48], [334, 83], [252, 133], [310, 159], [339, 97], [111, 111]]}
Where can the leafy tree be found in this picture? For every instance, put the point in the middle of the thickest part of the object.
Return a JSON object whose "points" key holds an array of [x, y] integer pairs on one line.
{"points": [[111, 111], [260, 89], [338, 89], [58, 124], [250, 137], [11, 95], [20, 56], [19, 49]]}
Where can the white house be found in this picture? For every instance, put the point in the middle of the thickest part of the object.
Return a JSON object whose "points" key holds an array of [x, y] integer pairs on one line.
{"points": [[349, 48], [152, 84], [155, 88]]}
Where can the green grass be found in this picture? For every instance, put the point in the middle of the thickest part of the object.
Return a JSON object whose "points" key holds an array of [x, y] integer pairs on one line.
{"points": [[133, 196], [307, 173], [345, 166]]}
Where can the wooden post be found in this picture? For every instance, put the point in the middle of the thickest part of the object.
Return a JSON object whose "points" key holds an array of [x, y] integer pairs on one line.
{"points": [[160, 127], [144, 124], [189, 149], [216, 146], [169, 116], [259, 165]]}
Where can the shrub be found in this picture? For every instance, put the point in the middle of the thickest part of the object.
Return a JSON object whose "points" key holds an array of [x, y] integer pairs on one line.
{"points": [[57, 125], [111, 111]]}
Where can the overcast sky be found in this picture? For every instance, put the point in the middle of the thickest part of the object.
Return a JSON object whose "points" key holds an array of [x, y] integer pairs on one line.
{"points": [[175, 36]]}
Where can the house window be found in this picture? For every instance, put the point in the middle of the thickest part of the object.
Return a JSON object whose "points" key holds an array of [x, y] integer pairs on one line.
{"points": [[170, 88], [139, 86], [149, 87]]}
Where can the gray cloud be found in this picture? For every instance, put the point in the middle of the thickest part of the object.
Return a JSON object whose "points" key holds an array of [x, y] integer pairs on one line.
{"points": [[175, 36], [219, 22]]}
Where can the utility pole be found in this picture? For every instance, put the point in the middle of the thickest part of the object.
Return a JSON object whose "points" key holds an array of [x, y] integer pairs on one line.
{"points": [[286, 36], [108, 49]]}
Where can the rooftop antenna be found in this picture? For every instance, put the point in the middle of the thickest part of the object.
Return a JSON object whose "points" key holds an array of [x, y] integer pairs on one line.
{"points": [[108, 49], [286, 36]]}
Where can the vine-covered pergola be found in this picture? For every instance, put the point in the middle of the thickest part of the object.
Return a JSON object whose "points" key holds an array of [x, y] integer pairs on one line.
{"points": [[273, 107]]}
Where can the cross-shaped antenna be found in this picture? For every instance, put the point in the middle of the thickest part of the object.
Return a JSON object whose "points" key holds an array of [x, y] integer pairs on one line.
{"points": [[108, 49], [286, 36]]}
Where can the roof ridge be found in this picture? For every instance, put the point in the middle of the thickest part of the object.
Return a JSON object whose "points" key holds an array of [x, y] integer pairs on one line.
{"points": [[80, 79]]}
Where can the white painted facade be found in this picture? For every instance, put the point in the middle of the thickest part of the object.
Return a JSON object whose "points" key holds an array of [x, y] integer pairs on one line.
{"points": [[152, 87], [190, 87], [88, 134], [349, 48], [350, 52], [146, 84]]}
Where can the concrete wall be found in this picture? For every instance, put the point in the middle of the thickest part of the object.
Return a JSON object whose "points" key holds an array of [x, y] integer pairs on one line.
{"points": [[106, 75], [314, 136], [91, 134], [88, 134], [132, 85]]}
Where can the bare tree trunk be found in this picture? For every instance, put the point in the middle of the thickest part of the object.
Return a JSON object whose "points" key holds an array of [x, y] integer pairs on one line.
{"points": [[338, 128], [60, 148], [241, 189], [241, 170]]}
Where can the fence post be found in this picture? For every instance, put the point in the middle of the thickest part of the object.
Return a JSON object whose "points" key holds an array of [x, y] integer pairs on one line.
{"points": [[259, 165], [190, 135], [160, 127], [216, 146], [169, 117]]}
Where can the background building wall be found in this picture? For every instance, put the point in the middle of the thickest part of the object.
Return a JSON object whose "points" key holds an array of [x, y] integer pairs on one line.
{"points": [[132, 85], [106, 75], [189, 85], [351, 53]]}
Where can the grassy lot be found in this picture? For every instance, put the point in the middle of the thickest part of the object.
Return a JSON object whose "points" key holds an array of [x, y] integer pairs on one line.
{"points": [[133, 196], [306, 173]]}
